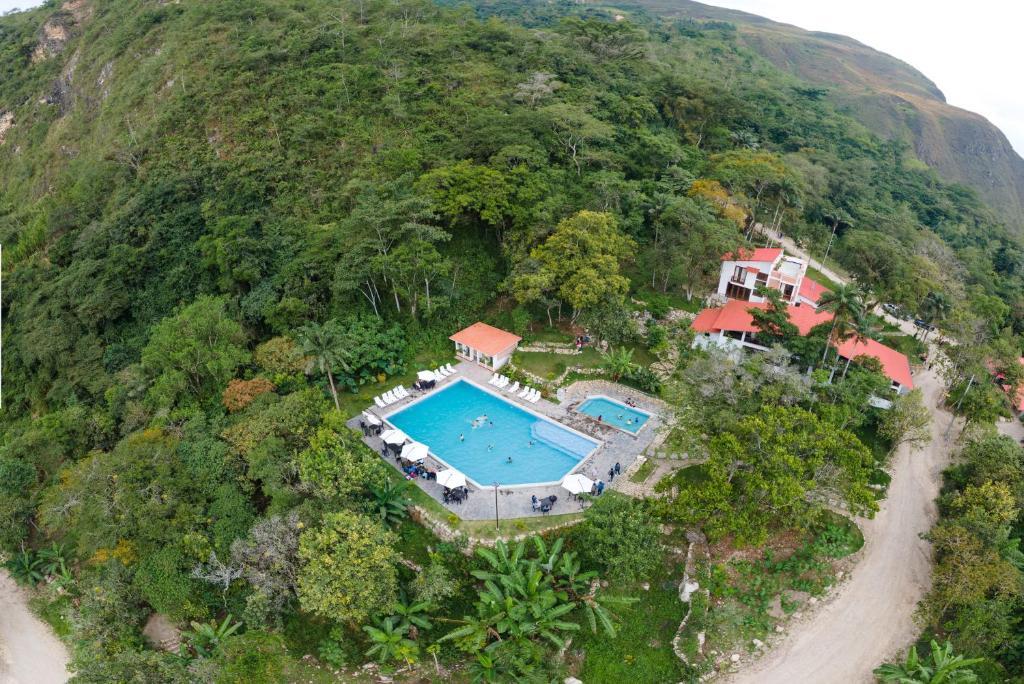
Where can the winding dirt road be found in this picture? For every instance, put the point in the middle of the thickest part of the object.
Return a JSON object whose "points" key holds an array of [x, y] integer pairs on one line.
{"points": [[871, 616], [29, 651]]}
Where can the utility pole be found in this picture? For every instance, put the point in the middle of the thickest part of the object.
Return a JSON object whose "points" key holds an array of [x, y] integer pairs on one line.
{"points": [[957, 407], [496, 524]]}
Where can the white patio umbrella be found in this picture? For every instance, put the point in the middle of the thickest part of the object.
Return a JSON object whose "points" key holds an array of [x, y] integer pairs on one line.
{"points": [[394, 437], [414, 451], [371, 419], [451, 479], [577, 484], [426, 375]]}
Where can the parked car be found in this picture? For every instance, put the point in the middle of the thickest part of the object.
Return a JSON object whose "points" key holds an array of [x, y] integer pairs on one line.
{"points": [[924, 325]]}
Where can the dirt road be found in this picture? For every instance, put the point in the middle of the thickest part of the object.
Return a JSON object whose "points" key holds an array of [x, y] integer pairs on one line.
{"points": [[871, 615], [29, 652]]}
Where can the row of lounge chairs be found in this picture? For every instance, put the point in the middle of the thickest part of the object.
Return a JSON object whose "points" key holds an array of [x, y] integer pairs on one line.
{"points": [[391, 397], [528, 393], [444, 371]]}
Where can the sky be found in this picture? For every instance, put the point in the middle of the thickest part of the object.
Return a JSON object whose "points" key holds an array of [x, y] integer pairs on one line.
{"points": [[970, 49]]}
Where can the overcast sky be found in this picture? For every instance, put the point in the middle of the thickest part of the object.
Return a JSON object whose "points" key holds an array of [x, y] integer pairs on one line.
{"points": [[971, 50]]}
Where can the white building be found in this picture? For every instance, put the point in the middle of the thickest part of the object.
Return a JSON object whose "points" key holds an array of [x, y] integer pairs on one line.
{"points": [[743, 273], [484, 344]]}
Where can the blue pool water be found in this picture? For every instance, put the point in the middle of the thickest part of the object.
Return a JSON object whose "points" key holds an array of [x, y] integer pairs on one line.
{"points": [[614, 413], [482, 455]]}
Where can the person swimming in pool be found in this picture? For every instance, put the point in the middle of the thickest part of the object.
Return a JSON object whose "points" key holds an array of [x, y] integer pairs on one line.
{"points": [[629, 421], [462, 437], [490, 447], [530, 443], [508, 460]]}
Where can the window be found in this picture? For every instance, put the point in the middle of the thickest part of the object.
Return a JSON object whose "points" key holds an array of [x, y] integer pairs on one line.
{"points": [[738, 275], [788, 291]]}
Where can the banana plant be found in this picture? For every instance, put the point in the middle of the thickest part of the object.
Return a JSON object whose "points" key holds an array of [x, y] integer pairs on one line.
{"points": [[390, 642], [207, 639], [26, 568]]}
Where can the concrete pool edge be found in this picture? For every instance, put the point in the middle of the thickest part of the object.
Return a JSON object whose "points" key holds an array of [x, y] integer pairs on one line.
{"points": [[598, 443], [612, 400]]}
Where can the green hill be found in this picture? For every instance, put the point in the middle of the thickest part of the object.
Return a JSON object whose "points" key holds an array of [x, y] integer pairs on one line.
{"points": [[890, 97], [215, 214]]}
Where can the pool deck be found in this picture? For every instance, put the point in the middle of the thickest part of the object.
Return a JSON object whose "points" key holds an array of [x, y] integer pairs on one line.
{"points": [[617, 446]]}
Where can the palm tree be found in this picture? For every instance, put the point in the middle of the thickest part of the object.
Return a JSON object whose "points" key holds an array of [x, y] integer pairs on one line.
{"points": [[861, 332], [847, 305], [940, 667], [618, 362], [324, 344]]}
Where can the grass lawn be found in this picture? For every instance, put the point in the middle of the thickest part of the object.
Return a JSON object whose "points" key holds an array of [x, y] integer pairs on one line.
{"points": [[550, 365], [53, 613], [543, 333], [484, 529], [643, 472], [822, 279], [906, 344], [642, 650]]}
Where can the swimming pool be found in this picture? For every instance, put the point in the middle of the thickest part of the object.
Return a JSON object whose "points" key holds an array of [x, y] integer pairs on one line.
{"points": [[614, 413], [540, 449]]}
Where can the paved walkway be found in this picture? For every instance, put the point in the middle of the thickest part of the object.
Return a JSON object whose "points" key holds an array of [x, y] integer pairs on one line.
{"points": [[515, 502]]}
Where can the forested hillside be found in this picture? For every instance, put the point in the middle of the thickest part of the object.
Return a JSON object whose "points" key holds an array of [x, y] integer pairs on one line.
{"points": [[201, 202], [890, 97]]}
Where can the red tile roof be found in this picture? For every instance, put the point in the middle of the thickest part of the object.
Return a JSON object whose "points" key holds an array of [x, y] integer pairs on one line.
{"points": [[811, 290], [894, 364], [765, 254], [486, 338], [735, 317]]}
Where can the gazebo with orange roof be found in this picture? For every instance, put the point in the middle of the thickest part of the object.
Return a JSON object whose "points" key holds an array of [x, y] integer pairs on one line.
{"points": [[484, 344]]}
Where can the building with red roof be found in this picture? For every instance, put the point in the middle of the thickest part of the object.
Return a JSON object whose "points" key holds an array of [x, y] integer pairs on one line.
{"points": [[732, 327], [810, 292], [484, 344], [745, 270]]}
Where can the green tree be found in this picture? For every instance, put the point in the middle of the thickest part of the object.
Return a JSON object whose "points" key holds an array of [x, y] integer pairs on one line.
{"points": [[688, 242], [194, 352], [773, 324], [337, 465], [325, 345], [391, 643], [348, 568], [773, 469], [622, 535], [578, 264], [907, 422]]}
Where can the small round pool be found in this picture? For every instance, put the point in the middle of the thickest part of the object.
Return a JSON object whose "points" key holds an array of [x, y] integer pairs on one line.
{"points": [[614, 413]]}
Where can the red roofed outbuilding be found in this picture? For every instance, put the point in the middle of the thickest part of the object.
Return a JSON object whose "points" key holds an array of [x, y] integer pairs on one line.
{"points": [[484, 344]]}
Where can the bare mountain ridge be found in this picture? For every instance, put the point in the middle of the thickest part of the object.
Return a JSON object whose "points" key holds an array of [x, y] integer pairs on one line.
{"points": [[887, 95]]}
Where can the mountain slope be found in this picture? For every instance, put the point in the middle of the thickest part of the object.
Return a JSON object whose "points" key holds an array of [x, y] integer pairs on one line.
{"points": [[889, 96]]}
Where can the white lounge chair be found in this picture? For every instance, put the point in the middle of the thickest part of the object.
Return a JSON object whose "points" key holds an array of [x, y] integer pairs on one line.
{"points": [[502, 382], [400, 392], [526, 392], [535, 397], [450, 369], [514, 388], [493, 380], [388, 397], [439, 372], [378, 402]]}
